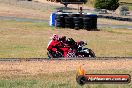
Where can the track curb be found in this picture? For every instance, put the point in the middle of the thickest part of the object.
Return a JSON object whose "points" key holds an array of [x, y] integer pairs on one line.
{"points": [[64, 59]]}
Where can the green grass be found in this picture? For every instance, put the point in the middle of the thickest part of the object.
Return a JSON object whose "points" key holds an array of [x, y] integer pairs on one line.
{"points": [[29, 40], [58, 80], [22, 39], [130, 7]]}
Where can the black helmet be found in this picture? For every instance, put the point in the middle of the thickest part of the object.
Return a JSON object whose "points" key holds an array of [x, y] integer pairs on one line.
{"points": [[63, 38], [70, 41]]}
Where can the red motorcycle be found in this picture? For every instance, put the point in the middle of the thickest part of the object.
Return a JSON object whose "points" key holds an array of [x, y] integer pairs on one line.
{"points": [[71, 49]]}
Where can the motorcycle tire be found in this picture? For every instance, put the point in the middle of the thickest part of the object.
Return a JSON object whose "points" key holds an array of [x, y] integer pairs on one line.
{"points": [[87, 19], [54, 55], [77, 22], [91, 53], [67, 26], [59, 15], [79, 19], [75, 15], [77, 25], [49, 55], [68, 19], [87, 23], [58, 25], [60, 20], [76, 28], [87, 26], [76, 18]]}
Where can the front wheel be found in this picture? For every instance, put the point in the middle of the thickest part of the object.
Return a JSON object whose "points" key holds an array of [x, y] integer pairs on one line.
{"points": [[91, 53], [88, 53]]}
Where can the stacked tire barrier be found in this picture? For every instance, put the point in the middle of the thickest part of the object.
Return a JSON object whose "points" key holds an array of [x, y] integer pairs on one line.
{"points": [[76, 21], [69, 22], [90, 22], [60, 20]]}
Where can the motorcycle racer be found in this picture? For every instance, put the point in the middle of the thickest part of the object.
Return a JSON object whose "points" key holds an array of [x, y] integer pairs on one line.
{"points": [[62, 47], [54, 41], [54, 44]]}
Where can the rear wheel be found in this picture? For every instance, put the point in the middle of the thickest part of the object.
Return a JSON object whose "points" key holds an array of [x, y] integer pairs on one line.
{"points": [[54, 54], [88, 53], [91, 53]]}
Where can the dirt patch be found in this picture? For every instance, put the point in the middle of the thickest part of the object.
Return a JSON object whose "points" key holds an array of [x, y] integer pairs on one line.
{"points": [[75, 6], [38, 67], [37, 9], [26, 9], [9, 10]]}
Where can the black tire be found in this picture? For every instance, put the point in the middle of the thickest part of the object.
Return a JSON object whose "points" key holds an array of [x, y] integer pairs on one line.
{"points": [[87, 23], [72, 26], [54, 55], [88, 29], [123, 19], [114, 18], [58, 20], [68, 22], [57, 17], [49, 55], [76, 18], [87, 26], [94, 22], [76, 28], [86, 19], [100, 16], [91, 53], [77, 25], [77, 22], [58, 25], [75, 15], [93, 28], [67, 26], [85, 16], [68, 19], [118, 18], [81, 26]]}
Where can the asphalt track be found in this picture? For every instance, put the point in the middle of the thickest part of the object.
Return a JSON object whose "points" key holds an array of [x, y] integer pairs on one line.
{"points": [[36, 20], [64, 59]]}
